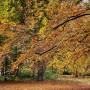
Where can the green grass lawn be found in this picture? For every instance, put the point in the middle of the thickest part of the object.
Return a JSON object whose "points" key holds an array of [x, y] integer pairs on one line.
{"points": [[61, 79], [84, 80]]}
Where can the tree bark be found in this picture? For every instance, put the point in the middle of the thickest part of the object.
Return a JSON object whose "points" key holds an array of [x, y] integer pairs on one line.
{"points": [[5, 69], [70, 19], [33, 75], [76, 73], [41, 70]]}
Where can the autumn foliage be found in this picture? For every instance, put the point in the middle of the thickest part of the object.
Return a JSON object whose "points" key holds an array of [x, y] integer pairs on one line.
{"points": [[46, 34]]}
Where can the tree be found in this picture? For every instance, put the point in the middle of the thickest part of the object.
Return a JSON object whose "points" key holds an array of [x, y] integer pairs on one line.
{"points": [[53, 36]]}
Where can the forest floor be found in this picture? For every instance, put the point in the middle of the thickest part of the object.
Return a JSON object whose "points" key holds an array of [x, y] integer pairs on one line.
{"points": [[45, 85]]}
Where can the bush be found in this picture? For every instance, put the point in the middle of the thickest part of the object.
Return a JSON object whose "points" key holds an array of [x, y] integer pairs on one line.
{"points": [[50, 75], [24, 74]]}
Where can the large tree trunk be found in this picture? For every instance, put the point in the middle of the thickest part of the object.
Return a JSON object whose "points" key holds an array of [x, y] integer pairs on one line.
{"points": [[41, 70]]}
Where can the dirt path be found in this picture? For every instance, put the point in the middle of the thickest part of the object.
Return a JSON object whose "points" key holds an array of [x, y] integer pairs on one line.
{"points": [[47, 85]]}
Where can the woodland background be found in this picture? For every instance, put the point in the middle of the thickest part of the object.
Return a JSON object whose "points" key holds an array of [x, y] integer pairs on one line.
{"points": [[44, 39]]}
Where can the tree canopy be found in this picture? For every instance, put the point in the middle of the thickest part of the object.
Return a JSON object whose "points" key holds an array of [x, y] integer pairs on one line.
{"points": [[46, 34]]}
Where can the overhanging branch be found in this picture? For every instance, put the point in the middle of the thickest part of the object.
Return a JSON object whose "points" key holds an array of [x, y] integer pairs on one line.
{"points": [[70, 19], [67, 20]]}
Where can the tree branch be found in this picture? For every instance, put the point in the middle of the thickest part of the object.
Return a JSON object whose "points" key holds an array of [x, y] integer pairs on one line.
{"points": [[70, 19], [83, 37], [67, 20], [41, 53]]}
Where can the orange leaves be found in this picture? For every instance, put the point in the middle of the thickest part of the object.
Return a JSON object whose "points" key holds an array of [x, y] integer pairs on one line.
{"points": [[1, 54], [22, 57], [5, 48], [33, 42], [40, 20], [3, 26], [14, 65]]}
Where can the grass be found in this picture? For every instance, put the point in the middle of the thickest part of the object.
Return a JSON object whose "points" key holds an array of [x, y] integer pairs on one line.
{"points": [[61, 79], [83, 80]]}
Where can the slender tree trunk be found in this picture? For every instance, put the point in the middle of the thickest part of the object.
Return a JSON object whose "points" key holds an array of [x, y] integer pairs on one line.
{"points": [[2, 71], [33, 75], [5, 69], [52, 69], [76, 73], [41, 70], [16, 72], [5, 75]]}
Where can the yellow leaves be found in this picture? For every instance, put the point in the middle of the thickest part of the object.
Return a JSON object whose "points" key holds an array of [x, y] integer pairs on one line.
{"points": [[56, 63], [11, 11], [40, 14], [38, 58], [12, 23], [44, 21], [69, 54], [32, 23], [42, 30], [4, 21]]}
